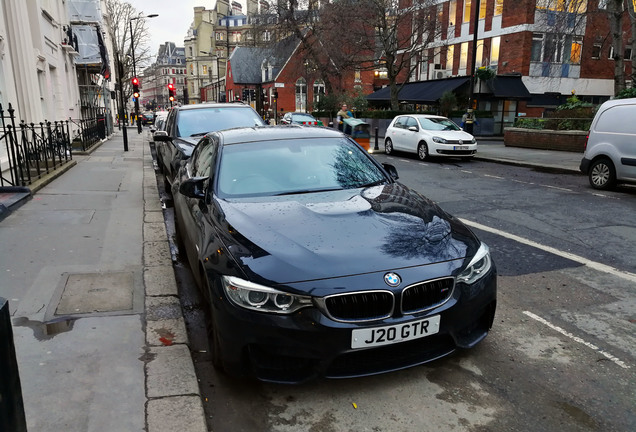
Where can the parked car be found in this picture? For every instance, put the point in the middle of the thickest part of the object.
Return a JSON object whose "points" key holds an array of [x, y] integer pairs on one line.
{"points": [[159, 123], [185, 125], [428, 135], [148, 118], [610, 151], [315, 261], [300, 118]]}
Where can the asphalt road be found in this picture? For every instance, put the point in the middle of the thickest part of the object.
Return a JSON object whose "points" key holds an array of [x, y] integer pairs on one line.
{"points": [[561, 354]]}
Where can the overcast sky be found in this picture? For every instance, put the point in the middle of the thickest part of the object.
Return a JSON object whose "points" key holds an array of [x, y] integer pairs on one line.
{"points": [[173, 22]]}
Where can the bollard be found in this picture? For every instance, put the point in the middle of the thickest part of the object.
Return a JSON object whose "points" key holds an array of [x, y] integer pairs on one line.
{"points": [[12, 416], [375, 147]]}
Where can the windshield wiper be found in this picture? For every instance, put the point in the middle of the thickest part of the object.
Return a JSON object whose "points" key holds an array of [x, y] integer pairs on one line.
{"points": [[304, 191], [375, 183]]}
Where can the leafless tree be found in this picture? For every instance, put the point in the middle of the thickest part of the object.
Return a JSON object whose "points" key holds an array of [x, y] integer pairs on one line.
{"points": [[391, 35], [122, 15]]}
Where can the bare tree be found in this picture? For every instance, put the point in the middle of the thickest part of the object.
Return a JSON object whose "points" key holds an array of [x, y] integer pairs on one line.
{"points": [[362, 35], [122, 15]]}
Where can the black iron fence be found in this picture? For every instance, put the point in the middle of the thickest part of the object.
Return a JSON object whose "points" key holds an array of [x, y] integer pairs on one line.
{"points": [[30, 151]]}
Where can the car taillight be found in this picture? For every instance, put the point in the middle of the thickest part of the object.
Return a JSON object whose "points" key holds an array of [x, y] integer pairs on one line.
{"points": [[586, 139]]}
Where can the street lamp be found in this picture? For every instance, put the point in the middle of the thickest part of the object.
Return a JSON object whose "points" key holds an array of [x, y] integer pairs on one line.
{"points": [[132, 50]]}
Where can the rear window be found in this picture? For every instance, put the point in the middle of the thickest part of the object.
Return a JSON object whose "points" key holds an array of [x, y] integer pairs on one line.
{"points": [[618, 119], [198, 122]]}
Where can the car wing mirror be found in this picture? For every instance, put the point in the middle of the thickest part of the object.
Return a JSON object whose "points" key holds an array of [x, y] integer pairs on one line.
{"points": [[413, 128], [193, 187], [161, 136], [391, 170]]}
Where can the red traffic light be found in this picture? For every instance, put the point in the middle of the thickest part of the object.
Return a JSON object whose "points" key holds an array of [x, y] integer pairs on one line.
{"points": [[170, 86], [135, 81]]}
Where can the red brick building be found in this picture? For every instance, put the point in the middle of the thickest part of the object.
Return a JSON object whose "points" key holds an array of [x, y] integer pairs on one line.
{"points": [[554, 47], [280, 78]]}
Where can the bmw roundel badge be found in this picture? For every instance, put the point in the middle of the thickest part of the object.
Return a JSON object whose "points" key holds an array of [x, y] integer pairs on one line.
{"points": [[392, 279]]}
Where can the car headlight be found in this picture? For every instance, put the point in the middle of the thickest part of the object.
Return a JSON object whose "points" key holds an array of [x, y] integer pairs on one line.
{"points": [[439, 140], [260, 298], [478, 267], [473, 141]]}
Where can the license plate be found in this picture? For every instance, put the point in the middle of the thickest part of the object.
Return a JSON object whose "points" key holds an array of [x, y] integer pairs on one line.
{"points": [[460, 148], [378, 336]]}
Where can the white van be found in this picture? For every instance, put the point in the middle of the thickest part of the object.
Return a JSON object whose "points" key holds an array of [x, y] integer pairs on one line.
{"points": [[610, 152]]}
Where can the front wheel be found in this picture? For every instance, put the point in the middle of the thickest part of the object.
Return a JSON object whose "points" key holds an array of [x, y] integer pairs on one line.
{"points": [[422, 151], [602, 174], [388, 146], [213, 333]]}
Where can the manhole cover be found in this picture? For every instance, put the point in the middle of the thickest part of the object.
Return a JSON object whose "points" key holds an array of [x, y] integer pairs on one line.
{"points": [[96, 292]]}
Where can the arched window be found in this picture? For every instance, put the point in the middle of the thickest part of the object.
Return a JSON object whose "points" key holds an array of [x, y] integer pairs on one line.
{"points": [[319, 91], [301, 94]]}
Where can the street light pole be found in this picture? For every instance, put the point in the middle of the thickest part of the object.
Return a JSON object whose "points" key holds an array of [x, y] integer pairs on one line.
{"points": [[132, 50]]}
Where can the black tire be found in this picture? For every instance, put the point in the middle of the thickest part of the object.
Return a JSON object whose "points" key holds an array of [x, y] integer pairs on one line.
{"points": [[422, 151], [388, 146], [602, 174], [213, 336]]}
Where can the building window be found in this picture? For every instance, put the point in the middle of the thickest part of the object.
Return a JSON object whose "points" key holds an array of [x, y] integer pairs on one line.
{"points": [[596, 51], [498, 7], [205, 69], [319, 90], [575, 50], [357, 78], [537, 46], [452, 12], [467, 4], [301, 94], [495, 43], [482, 9], [463, 56], [450, 55]]}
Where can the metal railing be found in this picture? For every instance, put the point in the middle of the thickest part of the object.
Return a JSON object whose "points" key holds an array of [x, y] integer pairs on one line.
{"points": [[31, 150]]}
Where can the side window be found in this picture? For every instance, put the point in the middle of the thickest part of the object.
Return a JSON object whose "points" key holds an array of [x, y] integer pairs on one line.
{"points": [[398, 122], [411, 122], [203, 164]]}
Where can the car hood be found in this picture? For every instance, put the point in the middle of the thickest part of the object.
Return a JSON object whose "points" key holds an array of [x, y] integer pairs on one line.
{"points": [[450, 135], [334, 234]]}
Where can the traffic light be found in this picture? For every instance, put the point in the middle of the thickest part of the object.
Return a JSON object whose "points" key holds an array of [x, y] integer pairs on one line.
{"points": [[135, 84], [171, 92], [245, 95], [275, 94]]}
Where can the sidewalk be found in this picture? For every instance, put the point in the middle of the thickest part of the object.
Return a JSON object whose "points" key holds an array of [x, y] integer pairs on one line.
{"points": [[86, 267], [99, 334]]}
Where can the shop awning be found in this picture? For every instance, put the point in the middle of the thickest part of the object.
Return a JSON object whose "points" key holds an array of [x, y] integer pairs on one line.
{"points": [[508, 87], [421, 91]]}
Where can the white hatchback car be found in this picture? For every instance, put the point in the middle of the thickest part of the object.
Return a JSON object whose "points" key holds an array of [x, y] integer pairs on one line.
{"points": [[428, 135]]}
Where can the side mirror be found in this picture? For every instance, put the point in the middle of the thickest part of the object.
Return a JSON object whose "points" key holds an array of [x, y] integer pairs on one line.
{"points": [[391, 170], [413, 128], [161, 136], [193, 187]]}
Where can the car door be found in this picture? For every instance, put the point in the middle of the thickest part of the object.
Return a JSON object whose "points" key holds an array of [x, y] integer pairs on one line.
{"points": [[396, 133], [411, 134], [192, 210]]}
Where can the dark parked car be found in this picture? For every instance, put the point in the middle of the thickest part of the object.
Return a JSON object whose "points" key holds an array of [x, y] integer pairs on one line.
{"points": [[185, 125], [147, 118], [315, 261], [300, 118]]}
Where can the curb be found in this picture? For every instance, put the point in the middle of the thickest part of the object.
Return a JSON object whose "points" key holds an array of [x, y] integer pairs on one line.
{"points": [[173, 401]]}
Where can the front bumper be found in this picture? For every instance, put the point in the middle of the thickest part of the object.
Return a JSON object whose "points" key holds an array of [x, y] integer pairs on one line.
{"points": [[307, 344]]}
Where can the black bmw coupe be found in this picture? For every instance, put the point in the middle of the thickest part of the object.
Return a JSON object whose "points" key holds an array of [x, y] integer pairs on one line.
{"points": [[316, 262]]}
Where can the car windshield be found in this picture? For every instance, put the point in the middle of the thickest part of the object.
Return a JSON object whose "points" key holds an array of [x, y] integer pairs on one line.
{"points": [[294, 166], [438, 124], [199, 121], [303, 118]]}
